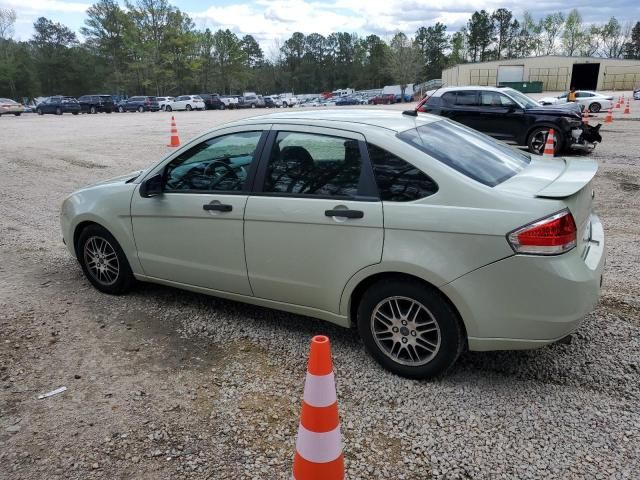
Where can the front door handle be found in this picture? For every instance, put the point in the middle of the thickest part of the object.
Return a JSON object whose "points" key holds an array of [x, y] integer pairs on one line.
{"points": [[344, 213], [217, 207]]}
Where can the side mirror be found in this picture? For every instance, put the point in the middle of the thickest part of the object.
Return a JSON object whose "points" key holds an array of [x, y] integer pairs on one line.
{"points": [[152, 186]]}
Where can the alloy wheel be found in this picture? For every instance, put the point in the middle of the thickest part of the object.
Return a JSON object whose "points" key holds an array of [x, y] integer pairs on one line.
{"points": [[540, 139], [405, 331], [101, 260]]}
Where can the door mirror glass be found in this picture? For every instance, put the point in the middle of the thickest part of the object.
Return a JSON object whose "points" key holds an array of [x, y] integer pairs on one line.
{"points": [[151, 187]]}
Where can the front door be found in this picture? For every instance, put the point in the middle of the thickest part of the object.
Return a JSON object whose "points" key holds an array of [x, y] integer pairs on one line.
{"points": [[316, 218], [193, 233], [500, 116]]}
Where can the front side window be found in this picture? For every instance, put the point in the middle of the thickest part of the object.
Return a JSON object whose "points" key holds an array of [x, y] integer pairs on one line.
{"points": [[310, 164], [218, 164], [471, 153], [399, 181]]}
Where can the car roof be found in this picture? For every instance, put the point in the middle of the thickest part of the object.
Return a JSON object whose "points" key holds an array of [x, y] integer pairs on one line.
{"points": [[442, 90], [388, 119]]}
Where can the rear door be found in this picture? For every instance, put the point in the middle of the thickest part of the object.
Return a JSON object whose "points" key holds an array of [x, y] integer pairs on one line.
{"points": [[315, 218], [462, 106]]}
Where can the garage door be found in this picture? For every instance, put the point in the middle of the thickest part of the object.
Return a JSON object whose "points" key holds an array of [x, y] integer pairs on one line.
{"points": [[510, 73]]}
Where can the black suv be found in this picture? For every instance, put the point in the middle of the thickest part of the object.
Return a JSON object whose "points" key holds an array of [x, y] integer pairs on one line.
{"points": [[212, 101], [96, 103], [513, 117], [140, 104]]}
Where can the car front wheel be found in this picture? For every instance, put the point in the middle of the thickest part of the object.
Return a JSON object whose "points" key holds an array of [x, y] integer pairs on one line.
{"points": [[141, 109], [167, 108], [103, 261], [58, 111], [595, 107], [538, 137], [409, 328], [40, 112], [121, 109], [189, 108]]}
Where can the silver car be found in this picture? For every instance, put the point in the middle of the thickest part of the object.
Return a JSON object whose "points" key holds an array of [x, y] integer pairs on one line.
{"points": [[592, 101], [428, 236]]}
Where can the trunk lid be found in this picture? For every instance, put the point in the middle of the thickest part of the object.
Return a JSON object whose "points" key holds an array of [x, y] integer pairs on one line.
{"points": [[566, 179]]}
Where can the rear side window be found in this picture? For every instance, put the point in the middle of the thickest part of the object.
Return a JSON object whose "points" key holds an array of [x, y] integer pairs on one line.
{"points": [[399, 181], [310, 164], [467, 98], [469, 152]]}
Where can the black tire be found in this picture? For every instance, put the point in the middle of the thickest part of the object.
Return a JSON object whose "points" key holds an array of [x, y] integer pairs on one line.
{"points": [[167, 108], [123, 281], [222, 106], [188, 108], [75, 113], [141, 109], [595, 107], [40, 112], [58, 111], [93, 110], [121, 109], [436, 312], [17, 114], [540, 134], [284, 104]]}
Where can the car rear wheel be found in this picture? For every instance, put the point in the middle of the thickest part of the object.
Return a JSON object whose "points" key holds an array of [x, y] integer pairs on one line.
{"points": [[18, 114], [409, 328], [40, 112], [103, 261], [141, 109], [58, 111], [595, 107], [121, 109], [538, 137], [189, 108], [93, 110]]}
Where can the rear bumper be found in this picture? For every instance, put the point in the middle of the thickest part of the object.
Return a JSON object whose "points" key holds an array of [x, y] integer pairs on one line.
{"points": [[525, 301]]}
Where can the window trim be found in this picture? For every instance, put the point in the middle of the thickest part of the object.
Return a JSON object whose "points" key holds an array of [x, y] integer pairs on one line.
{"points": [[367, 187], [253, 168]]}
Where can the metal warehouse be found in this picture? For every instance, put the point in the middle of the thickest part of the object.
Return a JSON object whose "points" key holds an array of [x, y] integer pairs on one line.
{"points": [[557, 73]]}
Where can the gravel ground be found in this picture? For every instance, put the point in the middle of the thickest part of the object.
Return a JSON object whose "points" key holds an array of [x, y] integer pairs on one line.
{"points": [[168, 384]]}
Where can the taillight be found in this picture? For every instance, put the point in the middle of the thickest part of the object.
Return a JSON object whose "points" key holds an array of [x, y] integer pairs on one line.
{"points": [[552, 235]]}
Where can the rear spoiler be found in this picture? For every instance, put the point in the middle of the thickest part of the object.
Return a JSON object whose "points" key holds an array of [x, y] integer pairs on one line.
{"points": [[577, 173]]}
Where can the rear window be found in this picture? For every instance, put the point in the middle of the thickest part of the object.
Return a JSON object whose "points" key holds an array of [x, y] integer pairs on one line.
{"points": [[471, 153]]}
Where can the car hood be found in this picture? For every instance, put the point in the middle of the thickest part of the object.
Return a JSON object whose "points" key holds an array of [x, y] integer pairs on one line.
{"points": [[119, 179], [559, 110]]}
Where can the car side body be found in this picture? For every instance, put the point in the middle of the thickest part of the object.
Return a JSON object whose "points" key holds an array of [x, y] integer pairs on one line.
{"points": [[139, 104], [8, 106], [512, 117], [285, 251], [187, 102], [96, 104], [58, 105]]}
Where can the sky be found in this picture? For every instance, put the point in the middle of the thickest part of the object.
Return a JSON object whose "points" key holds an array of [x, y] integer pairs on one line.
{"points": [[272, 20]]}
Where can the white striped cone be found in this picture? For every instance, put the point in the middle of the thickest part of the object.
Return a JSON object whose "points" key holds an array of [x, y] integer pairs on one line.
{"points": [[319, 446], [175, 139], [549, 146]]}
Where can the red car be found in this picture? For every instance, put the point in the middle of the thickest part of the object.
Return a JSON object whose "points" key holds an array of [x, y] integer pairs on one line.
{"points": [[384, 99]]}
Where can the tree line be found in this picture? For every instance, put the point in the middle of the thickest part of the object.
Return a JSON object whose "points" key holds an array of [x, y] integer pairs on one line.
{"points": [[151, 47]]}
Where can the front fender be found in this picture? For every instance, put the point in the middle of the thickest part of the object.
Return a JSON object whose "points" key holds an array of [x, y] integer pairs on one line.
{"points": [[107, 205]]}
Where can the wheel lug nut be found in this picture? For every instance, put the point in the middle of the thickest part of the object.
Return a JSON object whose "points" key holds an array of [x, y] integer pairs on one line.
{"points": [[413, 333], [395, 329], [404, 339], [404, 322]]}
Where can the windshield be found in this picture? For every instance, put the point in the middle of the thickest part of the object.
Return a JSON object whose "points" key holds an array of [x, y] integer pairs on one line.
{"points": [[471, 153], [521, 98]]}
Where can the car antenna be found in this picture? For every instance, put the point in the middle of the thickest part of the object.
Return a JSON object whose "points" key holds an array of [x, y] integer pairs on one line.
{"points": [[414, 112]]}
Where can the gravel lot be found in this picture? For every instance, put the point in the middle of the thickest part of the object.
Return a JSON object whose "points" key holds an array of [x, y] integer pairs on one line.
{"points": [[168, 384]]}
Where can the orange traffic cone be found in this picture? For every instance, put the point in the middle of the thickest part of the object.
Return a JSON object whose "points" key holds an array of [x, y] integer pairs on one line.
{"points": [[617, 103], [609, 117], [319, 446], [585, 116], [550, 145], [627, 109], [175, 139]]}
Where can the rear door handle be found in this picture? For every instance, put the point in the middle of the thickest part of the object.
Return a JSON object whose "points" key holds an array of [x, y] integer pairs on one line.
{"points": [[344, 213], [218, 207]]}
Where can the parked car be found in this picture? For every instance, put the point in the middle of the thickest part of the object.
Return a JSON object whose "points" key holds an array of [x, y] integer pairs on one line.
{"points": [[272, 101], [249, 100], [58, 105], [212, 101], [636, 94], [429, 236], [164, 101], [592, 101], [289, 100], [261, 103], [230, 101], [513, 117], [383, 99], [139, 104], [187, 102], [8, 106], [96, 103], [407, 97], [343, 101]]}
